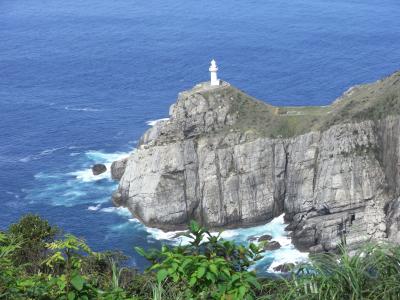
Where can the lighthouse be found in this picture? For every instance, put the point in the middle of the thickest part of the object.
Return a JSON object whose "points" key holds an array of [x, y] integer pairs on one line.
{"points": [[213, 72]]}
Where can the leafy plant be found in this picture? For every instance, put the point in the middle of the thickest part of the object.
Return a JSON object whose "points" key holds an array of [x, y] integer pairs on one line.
{"points": [[32, 233], [68, 253], [207, 267]]}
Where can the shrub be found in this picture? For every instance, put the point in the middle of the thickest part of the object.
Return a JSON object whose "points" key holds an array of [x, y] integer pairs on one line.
{"points": [[205, 269], [32, 233]]}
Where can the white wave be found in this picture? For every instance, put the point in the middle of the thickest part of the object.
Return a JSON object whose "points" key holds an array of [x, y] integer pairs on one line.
{"points": [[40, 154], [86, 175], [276, 228], [160, 235], [87, 109], [74, 153], [286, 255], [74, 194], [283, 240], [122, 211], [154, 122], [95, 208]]}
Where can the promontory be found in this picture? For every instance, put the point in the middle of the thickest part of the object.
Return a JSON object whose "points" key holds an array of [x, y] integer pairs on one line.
{"points": [[226, 159]]}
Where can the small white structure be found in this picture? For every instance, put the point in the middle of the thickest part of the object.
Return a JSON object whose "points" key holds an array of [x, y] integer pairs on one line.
{"points": [[213, 72]]}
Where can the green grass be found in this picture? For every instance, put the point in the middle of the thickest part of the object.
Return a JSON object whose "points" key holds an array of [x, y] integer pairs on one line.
{"points": [[371, 273], [373, 101]]}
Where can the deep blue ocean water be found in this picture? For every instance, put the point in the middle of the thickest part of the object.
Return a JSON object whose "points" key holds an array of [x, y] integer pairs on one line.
{"points": [[80, 79]]}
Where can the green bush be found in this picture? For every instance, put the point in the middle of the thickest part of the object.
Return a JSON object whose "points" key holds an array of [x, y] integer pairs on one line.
{"points": [[205, 269], [32, 233]]}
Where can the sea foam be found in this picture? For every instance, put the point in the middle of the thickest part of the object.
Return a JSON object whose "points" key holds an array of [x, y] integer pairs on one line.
{"points": [[86, 175], [276, 228], [94, 208], [154, 122], [122, 211], [76, 187]]}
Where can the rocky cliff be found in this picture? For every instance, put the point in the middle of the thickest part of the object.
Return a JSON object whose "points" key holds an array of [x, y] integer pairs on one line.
{"points": [[226, 159]]}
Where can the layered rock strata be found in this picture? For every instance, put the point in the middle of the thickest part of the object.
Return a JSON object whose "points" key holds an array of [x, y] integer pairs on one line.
{"points": [[228, 160]]}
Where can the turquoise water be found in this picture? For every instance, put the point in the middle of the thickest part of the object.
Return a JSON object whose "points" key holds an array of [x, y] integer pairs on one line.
{"points": [[80, 79]]}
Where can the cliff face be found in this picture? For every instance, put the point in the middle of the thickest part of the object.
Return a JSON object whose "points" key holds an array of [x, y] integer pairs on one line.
{"points": [[226, 159]]}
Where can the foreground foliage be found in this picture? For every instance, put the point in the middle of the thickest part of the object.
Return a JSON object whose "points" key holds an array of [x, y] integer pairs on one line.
{"points": [[208, 267], [37, 262]]}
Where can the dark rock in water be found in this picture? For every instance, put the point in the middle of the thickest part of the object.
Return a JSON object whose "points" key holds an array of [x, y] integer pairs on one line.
{"points": [[265, 237], [252, 238], [271, 245], [118, 168], [98, 169], [284, 268]]}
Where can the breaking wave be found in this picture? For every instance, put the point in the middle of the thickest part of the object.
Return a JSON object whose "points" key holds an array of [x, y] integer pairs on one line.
{"points": [[94, 208], [122, 211], [86, 175], [276, 228], [154, 122], [76, 187]]}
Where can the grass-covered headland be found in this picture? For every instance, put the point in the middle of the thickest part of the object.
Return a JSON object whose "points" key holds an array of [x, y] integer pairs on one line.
{"points": [[38, 262], [374, 101]]}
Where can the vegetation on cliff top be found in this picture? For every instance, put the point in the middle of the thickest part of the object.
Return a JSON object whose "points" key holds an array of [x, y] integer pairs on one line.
{"points": [[37, 262], [365, 102]]}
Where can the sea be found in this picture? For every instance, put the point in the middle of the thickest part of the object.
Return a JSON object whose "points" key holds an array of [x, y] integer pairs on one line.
{"points": [[82, 80]]}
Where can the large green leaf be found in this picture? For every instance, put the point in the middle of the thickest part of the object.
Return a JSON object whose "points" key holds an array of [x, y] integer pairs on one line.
{"points": [[200, 272], [77, 282], [214, 269], [140, 251], [161, 275], [210, 276], [242, 292], [192, 281], [71, 296]]}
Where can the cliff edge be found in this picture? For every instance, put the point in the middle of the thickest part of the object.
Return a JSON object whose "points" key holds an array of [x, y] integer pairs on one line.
{"points": [[227, 159]]}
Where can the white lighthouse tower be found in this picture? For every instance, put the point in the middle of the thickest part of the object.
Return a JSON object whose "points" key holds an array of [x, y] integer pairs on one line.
{"points": [[213, 72]]}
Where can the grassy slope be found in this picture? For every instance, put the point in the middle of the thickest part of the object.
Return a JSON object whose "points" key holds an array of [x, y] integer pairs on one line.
{"points": [[366, 102]]}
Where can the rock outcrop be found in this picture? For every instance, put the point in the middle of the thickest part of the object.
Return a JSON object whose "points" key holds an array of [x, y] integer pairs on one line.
{"points": [[118, 168], [265, 237], [98, 169], [271, 245], [226, 159], [284, 268]]}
